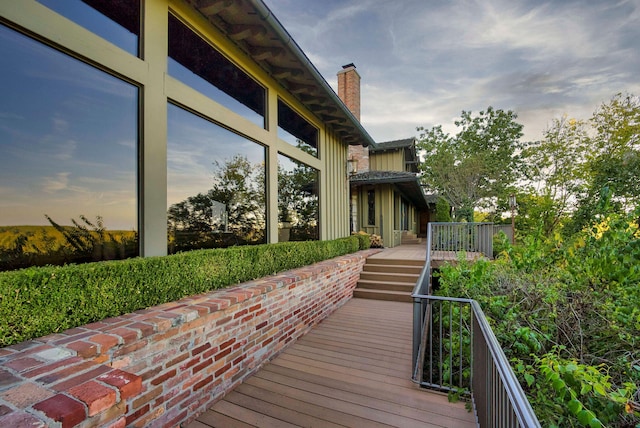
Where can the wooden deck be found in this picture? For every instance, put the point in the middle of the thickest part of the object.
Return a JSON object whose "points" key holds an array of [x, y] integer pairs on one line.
{"points": [[419, 252], [352, 370]]}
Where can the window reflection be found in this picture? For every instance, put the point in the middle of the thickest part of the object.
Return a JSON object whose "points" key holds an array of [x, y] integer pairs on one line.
{"points": [[117, 21], [297, 201], [68, 158], [215, 185], [295, 130], [196, 63]]}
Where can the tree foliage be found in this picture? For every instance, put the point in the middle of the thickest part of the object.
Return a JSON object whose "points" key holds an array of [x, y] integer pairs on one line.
{"points": [[479, 163], [567, 314], [237, 184], [612, 166], [555, 171]]}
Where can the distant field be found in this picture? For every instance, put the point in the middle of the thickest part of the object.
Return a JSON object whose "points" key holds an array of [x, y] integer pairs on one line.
{"points": [[41, 238]]}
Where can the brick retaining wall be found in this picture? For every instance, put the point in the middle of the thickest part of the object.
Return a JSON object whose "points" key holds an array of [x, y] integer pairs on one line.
{"points": [[164, 365]]}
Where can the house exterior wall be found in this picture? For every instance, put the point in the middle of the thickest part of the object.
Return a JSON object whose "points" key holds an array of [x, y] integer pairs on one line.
{"points": [[158, 88], [392, 160], [165, 365]]}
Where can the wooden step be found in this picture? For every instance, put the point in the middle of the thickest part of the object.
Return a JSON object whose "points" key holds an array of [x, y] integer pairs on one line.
{"points": [[405, 269], [389, 277], [395, 296], [410, 241], [394, 262], [386, 285]]}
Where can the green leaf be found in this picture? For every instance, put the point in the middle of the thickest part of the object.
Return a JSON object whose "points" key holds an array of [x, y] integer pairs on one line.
{"points": [[595, 423], [599, 389], [575, 406], [529, 379]]}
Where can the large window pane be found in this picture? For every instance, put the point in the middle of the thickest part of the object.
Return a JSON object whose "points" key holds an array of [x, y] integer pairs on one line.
{"points": [[68, 158], [297, 201], [196, 63], [215, 185], [295, 130], [117, 21]]}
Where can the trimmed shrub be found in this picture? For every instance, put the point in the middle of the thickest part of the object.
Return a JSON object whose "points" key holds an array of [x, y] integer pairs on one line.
{"points": [[363, 238], [39, 301]]}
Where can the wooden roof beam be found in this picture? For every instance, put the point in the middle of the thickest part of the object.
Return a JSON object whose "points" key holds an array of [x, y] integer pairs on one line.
{"points": [[281, 73], [261, 53], [213, 7], [299, 88], [243, 31]]}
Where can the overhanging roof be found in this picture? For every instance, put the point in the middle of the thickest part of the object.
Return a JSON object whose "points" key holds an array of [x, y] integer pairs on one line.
{"points": [[407, 145], [257, 32], [406, 182]]}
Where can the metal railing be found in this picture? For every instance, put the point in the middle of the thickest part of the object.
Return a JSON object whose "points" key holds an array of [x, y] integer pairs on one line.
{"points": [[469, 237], [455, 350]]}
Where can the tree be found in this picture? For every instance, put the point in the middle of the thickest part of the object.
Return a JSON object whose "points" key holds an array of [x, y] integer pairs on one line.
{"points": [[237, 184], [555, 168], [612, 166], [477, 165]]}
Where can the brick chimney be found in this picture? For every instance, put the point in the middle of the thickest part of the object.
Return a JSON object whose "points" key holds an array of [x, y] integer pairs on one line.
{"points": [[349, 93]]}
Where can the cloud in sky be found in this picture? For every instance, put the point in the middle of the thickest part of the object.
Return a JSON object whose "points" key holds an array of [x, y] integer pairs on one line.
{"points": [[422, 63]]}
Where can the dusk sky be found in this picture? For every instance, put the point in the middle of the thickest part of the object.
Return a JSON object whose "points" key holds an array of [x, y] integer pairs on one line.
{"points": [[423, 62]]}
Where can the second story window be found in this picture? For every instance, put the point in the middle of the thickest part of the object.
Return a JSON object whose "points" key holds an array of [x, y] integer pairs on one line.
{"points": [[117, 21], [195, 62], [295, 130]]}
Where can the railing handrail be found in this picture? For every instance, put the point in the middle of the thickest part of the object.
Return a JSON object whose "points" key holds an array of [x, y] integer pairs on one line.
{"points": [[524, 412], [520, 408]]}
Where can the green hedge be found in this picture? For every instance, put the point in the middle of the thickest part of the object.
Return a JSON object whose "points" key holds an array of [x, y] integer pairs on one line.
{"points": [[38, 301]]}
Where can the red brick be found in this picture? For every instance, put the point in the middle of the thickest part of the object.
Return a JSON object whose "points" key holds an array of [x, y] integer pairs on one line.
{"points": [[137, 414], [190, 363], [51, 367], [223, 353], [200, 349], [7, 379], [204, 382], [25, 395], [20, 420], [224, 320], [227, 343], [147, 397], [131, 348], [178, 399], [120, 423], [65, 385], [201, 366], [223, 369], [210, 352], [128, 384], [63, 409], [56, 376], [128, 336], [160, 379], [261, 325], [150, 373], [144, 328], [241, 313], [166, 335], [105, 341], [84, 349], [4, 410], [97, 397], [160, 324], [178, 359], [23, 364], [73, 338]]}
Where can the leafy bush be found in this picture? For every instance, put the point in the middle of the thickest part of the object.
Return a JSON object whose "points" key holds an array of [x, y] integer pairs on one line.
{"points": [[568, 317], [41, 300]]}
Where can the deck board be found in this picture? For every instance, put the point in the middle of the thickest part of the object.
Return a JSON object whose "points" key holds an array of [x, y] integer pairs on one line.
{"points": [[352, 370]]}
